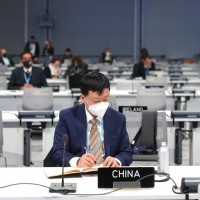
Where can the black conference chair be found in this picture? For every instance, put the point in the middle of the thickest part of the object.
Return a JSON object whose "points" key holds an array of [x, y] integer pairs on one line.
{"points": [[134, 124]]}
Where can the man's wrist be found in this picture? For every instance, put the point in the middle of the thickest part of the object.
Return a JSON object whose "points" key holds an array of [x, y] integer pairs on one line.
{"points": [[74, 161]]}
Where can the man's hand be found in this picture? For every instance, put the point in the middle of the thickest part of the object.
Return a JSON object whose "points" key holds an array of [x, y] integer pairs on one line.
{"points": [[110, 162], [26, 85], [86, 160]]}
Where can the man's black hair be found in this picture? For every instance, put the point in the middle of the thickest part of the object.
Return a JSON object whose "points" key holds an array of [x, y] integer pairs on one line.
{"points": [[25, 52], [95, 82]]}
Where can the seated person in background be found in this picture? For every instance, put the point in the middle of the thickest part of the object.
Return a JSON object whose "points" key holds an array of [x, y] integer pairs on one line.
{"points": [[27, 76], [97, 133], [66, 58], [106, 56], [143, 52], [48, 52], [6, 59], [142, 68], [52, 71], [75, 71]]}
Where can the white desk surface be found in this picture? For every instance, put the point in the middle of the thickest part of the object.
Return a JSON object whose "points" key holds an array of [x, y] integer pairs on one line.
{"points": [[11, 116], [65, 93], [189, 81], [87, 185]]}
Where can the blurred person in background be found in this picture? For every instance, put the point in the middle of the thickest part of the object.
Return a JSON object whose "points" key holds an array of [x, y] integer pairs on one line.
{"points": [[106, 56], [53, 69], [27, 76], [5, 59], [47, 52], [142, 68], [66, 58], [75, 71], [33, 47]]}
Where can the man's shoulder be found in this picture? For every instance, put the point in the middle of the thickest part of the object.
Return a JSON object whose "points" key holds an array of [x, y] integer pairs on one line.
{"points": [[74, 109], [37, 70], [139, 64], [18, 69], [114, 113]]}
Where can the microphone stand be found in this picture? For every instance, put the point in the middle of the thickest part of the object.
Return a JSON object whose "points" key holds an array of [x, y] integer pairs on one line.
{"points": [[63, 161], [132, 87], [62, 187]]}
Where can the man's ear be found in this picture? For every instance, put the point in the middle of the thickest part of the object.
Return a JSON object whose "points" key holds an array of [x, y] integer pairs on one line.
{"points": [[82, 98]]}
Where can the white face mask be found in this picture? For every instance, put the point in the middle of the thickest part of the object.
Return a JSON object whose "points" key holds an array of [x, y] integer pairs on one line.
{"points": [[98, 109]]}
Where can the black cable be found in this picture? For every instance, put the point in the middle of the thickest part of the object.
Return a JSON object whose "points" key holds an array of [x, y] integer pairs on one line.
{"points": [[12, 114], [167, 115], [14, 184], [186, 134], [64, 192], [174, 187]]}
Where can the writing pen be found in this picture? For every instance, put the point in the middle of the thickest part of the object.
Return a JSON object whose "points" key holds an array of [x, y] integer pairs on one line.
{"points": [[87, 151]]}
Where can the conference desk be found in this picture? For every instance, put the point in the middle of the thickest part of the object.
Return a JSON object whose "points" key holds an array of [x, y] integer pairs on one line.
{"points": [[87, 186], [13, 133], [192, 83], [12, 99], [14, 136]]}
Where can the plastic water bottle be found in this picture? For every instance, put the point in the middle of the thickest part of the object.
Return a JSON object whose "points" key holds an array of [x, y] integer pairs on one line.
{"points": [[199, 191], [163, 159]]}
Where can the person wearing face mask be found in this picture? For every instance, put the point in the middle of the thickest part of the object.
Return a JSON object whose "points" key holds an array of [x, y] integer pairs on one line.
{"points": [[106, 56], [94, 117], [142, 68], [5, 59], [27, 76]]}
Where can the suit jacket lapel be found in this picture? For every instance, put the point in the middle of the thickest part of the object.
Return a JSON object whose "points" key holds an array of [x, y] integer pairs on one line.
{"points": [[108, 128], [81, 124], [22, 76]]}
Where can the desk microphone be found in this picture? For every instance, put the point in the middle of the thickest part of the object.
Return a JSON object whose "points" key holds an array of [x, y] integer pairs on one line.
{"points": [[62, 187]]}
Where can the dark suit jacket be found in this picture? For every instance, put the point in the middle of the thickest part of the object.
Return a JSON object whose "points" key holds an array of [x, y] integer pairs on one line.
{"points": [[47, 72], [9, 58], [47, 51], [37, 48], [139, 70], [103, 56], [17, 79], [72, 121]]}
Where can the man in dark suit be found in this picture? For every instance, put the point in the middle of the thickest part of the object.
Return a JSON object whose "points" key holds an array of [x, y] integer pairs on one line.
{"points": [[142, 68], [76, 123], [27, 76], [33, 47]]}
